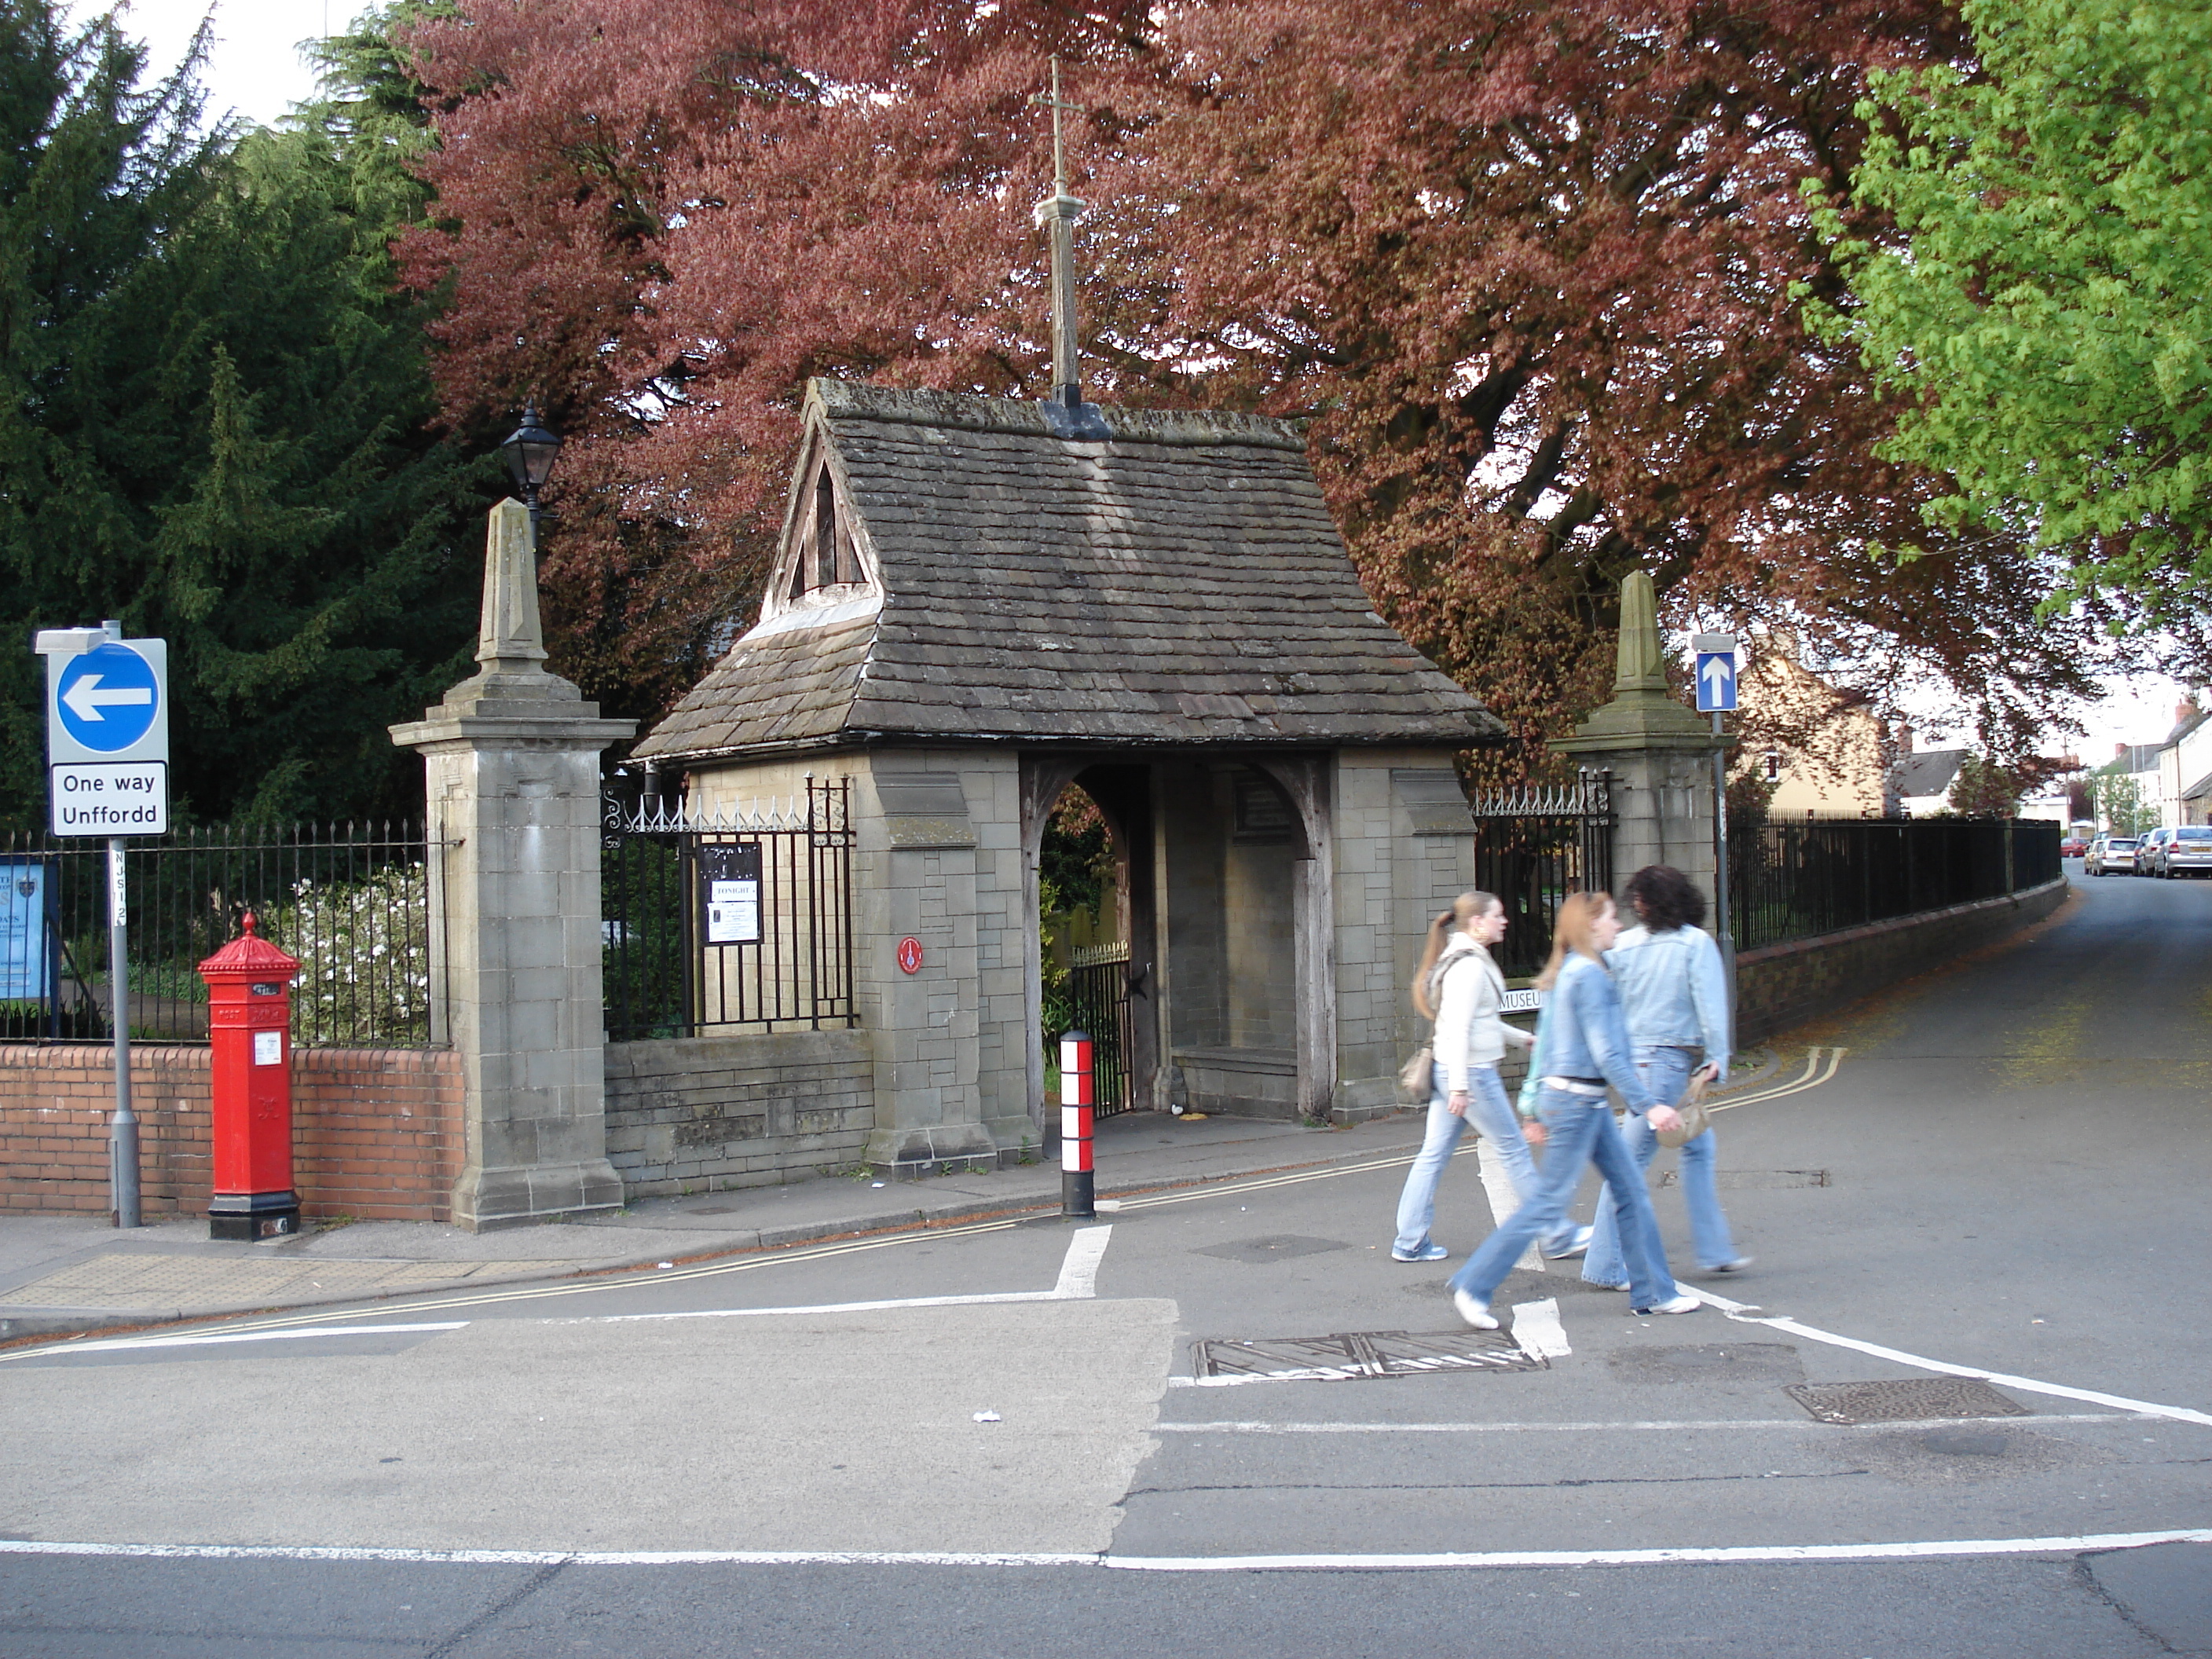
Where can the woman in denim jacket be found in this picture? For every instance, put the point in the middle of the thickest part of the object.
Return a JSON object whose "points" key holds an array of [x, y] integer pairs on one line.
{"points": [[1673, 998], [1459, 985], [1585, 1048]]}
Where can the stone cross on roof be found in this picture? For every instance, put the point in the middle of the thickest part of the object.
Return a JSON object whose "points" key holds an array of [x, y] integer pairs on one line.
{"points": [[1058, 214]]}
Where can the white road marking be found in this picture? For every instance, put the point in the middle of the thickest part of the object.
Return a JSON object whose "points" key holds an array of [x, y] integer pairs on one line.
{"points": [[1536, 1328], [117, 1344], [1078, 1269], [1662, 1425], [979, 1299], [1745, 1313], [1913, 1550], [1812, 1076], [1918, 1549], [1078, 1282]]}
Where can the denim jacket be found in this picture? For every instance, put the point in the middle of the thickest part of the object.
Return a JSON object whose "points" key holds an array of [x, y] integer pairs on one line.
{"points": [[1582, 1034], [1674, 992]]}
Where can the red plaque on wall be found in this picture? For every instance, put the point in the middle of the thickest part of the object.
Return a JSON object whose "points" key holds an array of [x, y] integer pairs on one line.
{"points": [[909, 955]]}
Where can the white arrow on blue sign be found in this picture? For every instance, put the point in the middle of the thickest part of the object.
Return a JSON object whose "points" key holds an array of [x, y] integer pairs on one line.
{"points": [[1715, 681], [108, 698]]}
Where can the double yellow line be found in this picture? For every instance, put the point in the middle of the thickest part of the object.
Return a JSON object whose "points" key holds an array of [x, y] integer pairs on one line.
{"points": [[1820, 1067]]}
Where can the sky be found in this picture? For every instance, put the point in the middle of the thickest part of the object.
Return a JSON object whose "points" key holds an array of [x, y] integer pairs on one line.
{"points": [[255, 70]]}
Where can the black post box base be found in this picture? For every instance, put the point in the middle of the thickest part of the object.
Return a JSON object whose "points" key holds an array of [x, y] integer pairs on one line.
{"points": [[251, 1216]]}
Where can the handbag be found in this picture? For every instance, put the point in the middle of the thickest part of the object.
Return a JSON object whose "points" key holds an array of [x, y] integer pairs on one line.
{"points": [[1694, 1121], [1414, 1077]]}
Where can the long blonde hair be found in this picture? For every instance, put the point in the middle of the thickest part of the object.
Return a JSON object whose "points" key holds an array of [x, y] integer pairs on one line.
{"points": [[1571, 931], [1465, 909]]}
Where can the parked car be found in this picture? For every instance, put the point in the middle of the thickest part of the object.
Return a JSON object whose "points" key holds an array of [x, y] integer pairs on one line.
{"points": [[2073, 847], [2186, 852], [2146, 851], [2111, 853]]}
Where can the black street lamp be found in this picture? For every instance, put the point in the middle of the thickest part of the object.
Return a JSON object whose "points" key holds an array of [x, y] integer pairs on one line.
{"points": [[529, 452]]}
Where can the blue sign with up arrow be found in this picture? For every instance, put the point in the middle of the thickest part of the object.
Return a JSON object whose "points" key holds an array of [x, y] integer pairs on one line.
{"points": [[108, 698], [1715, 681]]}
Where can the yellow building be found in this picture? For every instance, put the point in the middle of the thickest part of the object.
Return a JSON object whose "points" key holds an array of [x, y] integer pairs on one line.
{"points": [[1821, 750]]}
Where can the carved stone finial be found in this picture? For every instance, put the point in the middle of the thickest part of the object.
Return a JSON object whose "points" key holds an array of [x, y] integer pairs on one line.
{"points": [[1641, 664], [509, 638], [1643, 714]]}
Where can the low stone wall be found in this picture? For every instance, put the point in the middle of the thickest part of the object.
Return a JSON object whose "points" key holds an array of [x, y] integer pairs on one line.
{"points": [[1779, 985], [376, 1132], [696, 1115]]}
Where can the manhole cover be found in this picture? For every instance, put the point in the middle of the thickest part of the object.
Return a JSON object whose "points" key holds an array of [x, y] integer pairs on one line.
{"points": [[1903, 1399], [1757, 1180], [1349, 1355], [1278, 1247]]}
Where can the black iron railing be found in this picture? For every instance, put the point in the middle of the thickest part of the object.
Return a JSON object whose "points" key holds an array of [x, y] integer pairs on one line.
{"points": [[742, 923], [1098, 1001], [1790, 881], [351, 902], [1535, 847]]}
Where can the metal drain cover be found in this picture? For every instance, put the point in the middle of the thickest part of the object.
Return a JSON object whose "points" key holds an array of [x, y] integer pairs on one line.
{"points": [[1903, 1399], [1349, 1355], [1741, 1181]]}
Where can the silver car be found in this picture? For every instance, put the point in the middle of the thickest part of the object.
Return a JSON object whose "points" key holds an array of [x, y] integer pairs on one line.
{"points": [[2110, 852], [2186, 852]]}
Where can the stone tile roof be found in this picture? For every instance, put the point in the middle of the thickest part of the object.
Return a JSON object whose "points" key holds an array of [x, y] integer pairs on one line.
{"points": [[1929, 772], [1181, 584]]}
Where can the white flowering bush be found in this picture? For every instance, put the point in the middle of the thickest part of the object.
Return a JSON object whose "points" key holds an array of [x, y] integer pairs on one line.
{"points": [[364, 952]]}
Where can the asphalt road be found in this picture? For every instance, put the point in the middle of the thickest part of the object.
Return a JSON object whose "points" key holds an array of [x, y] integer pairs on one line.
{"points": [[2004, 1172]]}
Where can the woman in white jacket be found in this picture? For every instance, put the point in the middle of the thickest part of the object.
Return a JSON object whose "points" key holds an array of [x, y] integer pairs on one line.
{"points": [[1460, 987]]}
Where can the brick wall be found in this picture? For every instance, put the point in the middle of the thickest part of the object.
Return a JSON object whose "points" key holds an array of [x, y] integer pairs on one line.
{"points": [[377, 1131], [1779, 985], [714, 1114]]}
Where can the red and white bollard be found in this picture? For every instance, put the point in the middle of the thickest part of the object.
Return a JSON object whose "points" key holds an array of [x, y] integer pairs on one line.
{"points": [[1077, 1199]]}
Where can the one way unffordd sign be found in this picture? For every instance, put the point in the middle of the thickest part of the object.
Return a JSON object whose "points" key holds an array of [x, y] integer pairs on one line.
{"points": [[107, 732]]}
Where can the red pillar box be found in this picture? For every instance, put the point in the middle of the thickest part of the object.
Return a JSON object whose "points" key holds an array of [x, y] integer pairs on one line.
{"points": [[250, 1029]]}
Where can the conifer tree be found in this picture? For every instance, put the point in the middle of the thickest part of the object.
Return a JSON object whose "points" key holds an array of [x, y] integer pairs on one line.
{"points": [[216, 426]]}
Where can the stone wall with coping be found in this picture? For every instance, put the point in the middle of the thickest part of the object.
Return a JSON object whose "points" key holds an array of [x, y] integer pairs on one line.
{"points": [[1779, 985], [714, 1114], [377, 1131]]}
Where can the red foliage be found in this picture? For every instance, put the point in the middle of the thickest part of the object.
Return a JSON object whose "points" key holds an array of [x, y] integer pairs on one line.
{"points": [[1527, 264]]}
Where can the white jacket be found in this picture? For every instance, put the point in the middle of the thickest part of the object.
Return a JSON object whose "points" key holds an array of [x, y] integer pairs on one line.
{"points": [[1468, 992]]}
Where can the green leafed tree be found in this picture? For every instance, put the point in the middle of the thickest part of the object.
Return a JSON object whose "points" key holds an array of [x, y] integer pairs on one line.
{"points": [[216, 426], [2044, 307]]}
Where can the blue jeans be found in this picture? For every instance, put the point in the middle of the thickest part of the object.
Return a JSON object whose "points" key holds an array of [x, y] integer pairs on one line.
{"points": [[1665, 1073], [1582, 1132], [1494, 1118]]}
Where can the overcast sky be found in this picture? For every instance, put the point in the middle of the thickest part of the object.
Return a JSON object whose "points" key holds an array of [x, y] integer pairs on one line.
{"points": [[255, 70]]}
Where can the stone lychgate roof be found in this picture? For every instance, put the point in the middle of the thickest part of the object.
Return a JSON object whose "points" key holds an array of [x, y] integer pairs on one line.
{"points": [[1180, 584]]}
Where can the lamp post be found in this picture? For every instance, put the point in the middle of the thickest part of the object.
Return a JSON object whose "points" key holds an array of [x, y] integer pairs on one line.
{"points": [[531, 450]]}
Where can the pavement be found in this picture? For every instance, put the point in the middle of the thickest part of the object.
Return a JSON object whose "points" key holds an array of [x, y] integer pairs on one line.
{"points": [[1956, 1409], [64, 1273]]}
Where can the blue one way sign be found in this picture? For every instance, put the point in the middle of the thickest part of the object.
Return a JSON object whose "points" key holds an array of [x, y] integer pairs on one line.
{"points": [[1715, 681], [108, 698], [107, 732]]}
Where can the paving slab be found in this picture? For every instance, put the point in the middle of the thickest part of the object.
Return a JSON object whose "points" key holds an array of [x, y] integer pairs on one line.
{"points": [[76, 1272]]}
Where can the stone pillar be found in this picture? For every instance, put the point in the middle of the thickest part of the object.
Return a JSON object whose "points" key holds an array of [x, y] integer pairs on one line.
{"points": [[1659, 752], [511, 759]]}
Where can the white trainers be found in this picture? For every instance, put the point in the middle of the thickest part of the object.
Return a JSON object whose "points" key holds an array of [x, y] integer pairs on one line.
{"points": [[1678, 1304], [1474, 1310]]}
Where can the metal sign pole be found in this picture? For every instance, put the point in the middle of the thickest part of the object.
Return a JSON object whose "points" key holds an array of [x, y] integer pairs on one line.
{"points": [[123, 1128], [1724, 930]]}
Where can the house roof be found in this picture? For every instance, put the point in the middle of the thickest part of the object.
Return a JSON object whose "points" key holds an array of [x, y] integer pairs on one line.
{"points": [[2135, 757], [1927, 772], [1180, 583]]}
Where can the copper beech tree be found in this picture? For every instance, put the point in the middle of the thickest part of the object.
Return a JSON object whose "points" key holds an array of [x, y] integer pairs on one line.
{"points": [[1532, 268]]}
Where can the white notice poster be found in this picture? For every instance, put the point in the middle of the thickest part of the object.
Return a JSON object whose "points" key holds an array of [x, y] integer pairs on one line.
{"points": [[268, 1048], [732, 912]]}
